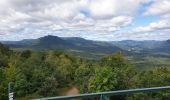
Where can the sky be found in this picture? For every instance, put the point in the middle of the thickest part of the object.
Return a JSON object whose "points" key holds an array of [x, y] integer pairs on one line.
{"points": [[103, 20]]}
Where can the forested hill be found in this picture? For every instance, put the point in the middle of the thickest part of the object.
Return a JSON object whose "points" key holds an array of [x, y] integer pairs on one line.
{"points": [[67, 44], [36, 74]]}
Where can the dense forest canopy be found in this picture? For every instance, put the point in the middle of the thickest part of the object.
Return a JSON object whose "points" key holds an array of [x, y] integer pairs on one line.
{"points": [[37, 74]]}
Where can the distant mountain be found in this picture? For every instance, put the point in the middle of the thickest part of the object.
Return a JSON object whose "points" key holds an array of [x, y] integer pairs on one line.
{"points": [[19, 44], [50, 43], [83, 47], [163, 48], [73, 44], [168, 41], [78, 41], [137, 46]]}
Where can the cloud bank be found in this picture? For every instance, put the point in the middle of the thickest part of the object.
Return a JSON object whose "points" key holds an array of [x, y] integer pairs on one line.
{"points": [[105, 20]]}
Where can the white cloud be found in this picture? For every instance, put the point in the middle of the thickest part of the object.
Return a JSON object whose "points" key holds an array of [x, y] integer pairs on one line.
{"points": [[159, 7], [113, 24], [154, 26], [161, 35], [91, 19], [110, 8], [157, 30]]}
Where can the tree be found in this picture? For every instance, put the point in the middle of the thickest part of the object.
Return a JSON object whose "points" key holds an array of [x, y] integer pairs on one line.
{"points": [[3, 90], [124, 71], [5, 52], [49, 87], [104, 79], [26, 54], [82, 75], [21, 86], [10, 73], [153, 78]]}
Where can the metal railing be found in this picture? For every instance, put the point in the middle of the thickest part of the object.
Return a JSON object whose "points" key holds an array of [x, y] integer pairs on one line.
{"points": [[106, 95]]}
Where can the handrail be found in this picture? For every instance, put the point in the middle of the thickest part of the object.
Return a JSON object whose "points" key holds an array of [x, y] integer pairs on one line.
{"points": [[106, 94]]}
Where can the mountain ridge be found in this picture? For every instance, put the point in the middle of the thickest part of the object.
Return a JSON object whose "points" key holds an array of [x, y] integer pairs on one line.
{"points": [[51, 42], [72, 44]]}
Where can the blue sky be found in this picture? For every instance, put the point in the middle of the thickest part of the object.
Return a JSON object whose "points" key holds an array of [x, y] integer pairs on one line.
{"points": [[104, 20]]}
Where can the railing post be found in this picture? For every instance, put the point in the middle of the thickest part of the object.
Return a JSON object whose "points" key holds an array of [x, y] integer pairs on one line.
{"points": [[10, 93], [103, 97]]}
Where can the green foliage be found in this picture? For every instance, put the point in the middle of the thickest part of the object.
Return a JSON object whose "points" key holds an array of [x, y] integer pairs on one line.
{"points": [[104, 79], [4, 50], [123, 70], [26, 54], [3, 92], [10, 73], [115, 60], [82, 75], [153, 78], [42, 74], [4, 55], [49, 87], [21, 86]]}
